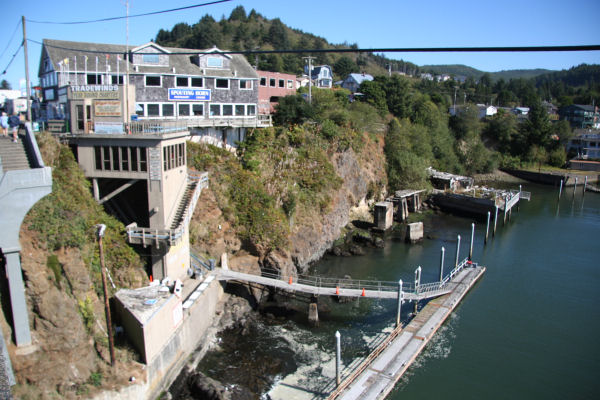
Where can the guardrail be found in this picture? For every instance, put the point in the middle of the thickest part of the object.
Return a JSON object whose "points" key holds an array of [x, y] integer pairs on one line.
{"points": [[171, 236]]}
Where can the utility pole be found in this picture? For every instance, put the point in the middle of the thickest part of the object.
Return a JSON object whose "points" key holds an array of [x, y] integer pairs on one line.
{"points": [[127, 116], [101, 228], [28, 89], [309, 58]]}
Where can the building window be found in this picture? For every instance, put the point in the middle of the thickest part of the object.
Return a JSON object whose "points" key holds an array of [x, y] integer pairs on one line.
{"points": [[197, 82], [168, 110], [116, 80], [98, 157], [221, 83], [215, 110], [182, 81], [153, 110], [183, 110], [282, 83], [227, 109], [124, 159], [151, 59], [251, 109], [198, 109], [245, 84], [173, 156], [263, 81], [153, 80], [214, 62], [272, 82], [139, 109], [290, 84], [93, 79], [239, 109]]}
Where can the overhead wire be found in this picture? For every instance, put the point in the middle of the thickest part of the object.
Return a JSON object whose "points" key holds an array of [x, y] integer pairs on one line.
{"points": [[130, 16], [12, 59], [11, 39]]}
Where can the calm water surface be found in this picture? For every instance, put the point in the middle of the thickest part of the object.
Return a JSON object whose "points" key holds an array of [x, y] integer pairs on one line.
{"points": [[527, 330]]}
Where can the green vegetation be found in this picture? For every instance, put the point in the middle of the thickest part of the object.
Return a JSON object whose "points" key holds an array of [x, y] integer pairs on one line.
{"points": [[56, 268], [86, 309]]}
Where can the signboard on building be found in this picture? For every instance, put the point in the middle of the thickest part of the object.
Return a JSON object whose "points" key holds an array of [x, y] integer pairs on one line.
{"points": [[155, 164], [189, 94], [94, 92], [107, 108], [108, 127]]}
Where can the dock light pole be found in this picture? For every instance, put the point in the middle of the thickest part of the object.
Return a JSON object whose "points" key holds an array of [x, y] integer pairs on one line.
{"points": [[472, 237], [442, 264], [487, 228], [338, 357], [457, 250], [399, 303], [100, 232]]}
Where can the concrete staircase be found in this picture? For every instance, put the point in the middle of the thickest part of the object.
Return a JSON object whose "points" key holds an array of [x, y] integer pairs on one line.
{"points": [[183, 204], [13, 156]]}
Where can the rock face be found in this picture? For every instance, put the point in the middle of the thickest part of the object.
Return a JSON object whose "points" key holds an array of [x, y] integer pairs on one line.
{"points": [[310, 242], [204, 388]]}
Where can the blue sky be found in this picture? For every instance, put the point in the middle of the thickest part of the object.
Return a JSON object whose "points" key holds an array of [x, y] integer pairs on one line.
{"points": [[374, 24]]}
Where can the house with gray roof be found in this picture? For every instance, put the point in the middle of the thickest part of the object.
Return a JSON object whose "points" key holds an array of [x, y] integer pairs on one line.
{"points": [[321, 76], [353, 81]]}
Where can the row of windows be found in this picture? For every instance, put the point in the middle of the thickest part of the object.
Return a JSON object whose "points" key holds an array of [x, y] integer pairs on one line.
{"points": [[184, 81], [277, 83], [173, 156], [193, 109], [120, 158]]}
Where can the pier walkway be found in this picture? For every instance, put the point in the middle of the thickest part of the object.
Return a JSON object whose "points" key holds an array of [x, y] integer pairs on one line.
{"points": [[320, 286], [376, 376]]}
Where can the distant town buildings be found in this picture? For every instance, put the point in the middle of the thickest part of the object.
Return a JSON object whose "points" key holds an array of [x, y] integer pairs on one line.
{"points": [[581, 116], [353, 81], [272, 86]]}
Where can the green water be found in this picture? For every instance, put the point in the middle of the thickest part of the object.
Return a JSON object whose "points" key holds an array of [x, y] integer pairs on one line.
{"points": [[528, 330]]}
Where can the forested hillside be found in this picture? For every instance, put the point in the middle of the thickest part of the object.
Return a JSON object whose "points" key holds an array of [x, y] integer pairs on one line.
{"points": [[252, 31]]}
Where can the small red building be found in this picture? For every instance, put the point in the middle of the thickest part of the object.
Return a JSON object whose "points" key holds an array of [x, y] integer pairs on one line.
{"points": [[272, 86]]}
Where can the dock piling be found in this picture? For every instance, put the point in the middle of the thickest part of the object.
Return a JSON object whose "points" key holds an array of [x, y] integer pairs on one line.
{"points": [[560, 189], [399, 303], [505, 204], [519, 202], [495, 220], [442, 264], [584, 185], [457, 251], [575, 187], [338, 357], [472, 237], [487, 228]]}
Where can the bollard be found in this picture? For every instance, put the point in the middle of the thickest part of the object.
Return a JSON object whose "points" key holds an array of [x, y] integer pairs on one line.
{"points": [[338, 357], [495, 220], [472, 237], [560, 189], [457, 251], [399, 303], [442, 264], [487, 228]]}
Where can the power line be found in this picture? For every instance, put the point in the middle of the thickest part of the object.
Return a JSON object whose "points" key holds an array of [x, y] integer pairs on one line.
{"points": [[11, 38], [594, 47], [131, 16], [12, 59]]}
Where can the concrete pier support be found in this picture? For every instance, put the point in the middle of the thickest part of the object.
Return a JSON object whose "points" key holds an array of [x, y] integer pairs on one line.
{"points": [[384, 215], [313, 314], [414, 232], [17, 299]]}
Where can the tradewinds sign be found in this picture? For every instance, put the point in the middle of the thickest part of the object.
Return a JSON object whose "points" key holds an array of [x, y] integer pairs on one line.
{"points": [[189, 94]]}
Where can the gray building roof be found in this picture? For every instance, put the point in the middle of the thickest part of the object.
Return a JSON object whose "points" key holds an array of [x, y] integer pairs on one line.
{"points": [[110, 54]]}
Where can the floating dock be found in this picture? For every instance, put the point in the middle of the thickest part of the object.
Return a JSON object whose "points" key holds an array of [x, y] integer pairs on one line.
{"points": [[376, 376]]}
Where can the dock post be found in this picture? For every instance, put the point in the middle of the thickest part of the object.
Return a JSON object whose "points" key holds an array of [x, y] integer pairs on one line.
{"points": [[487, 228], [442, 264], [472, 237], [417, 283], [505, 207], [495, 220], [584, 185], [519, 202], [575, 187], [399, 303], [338, 357], [560, 189], [457, 250]]}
